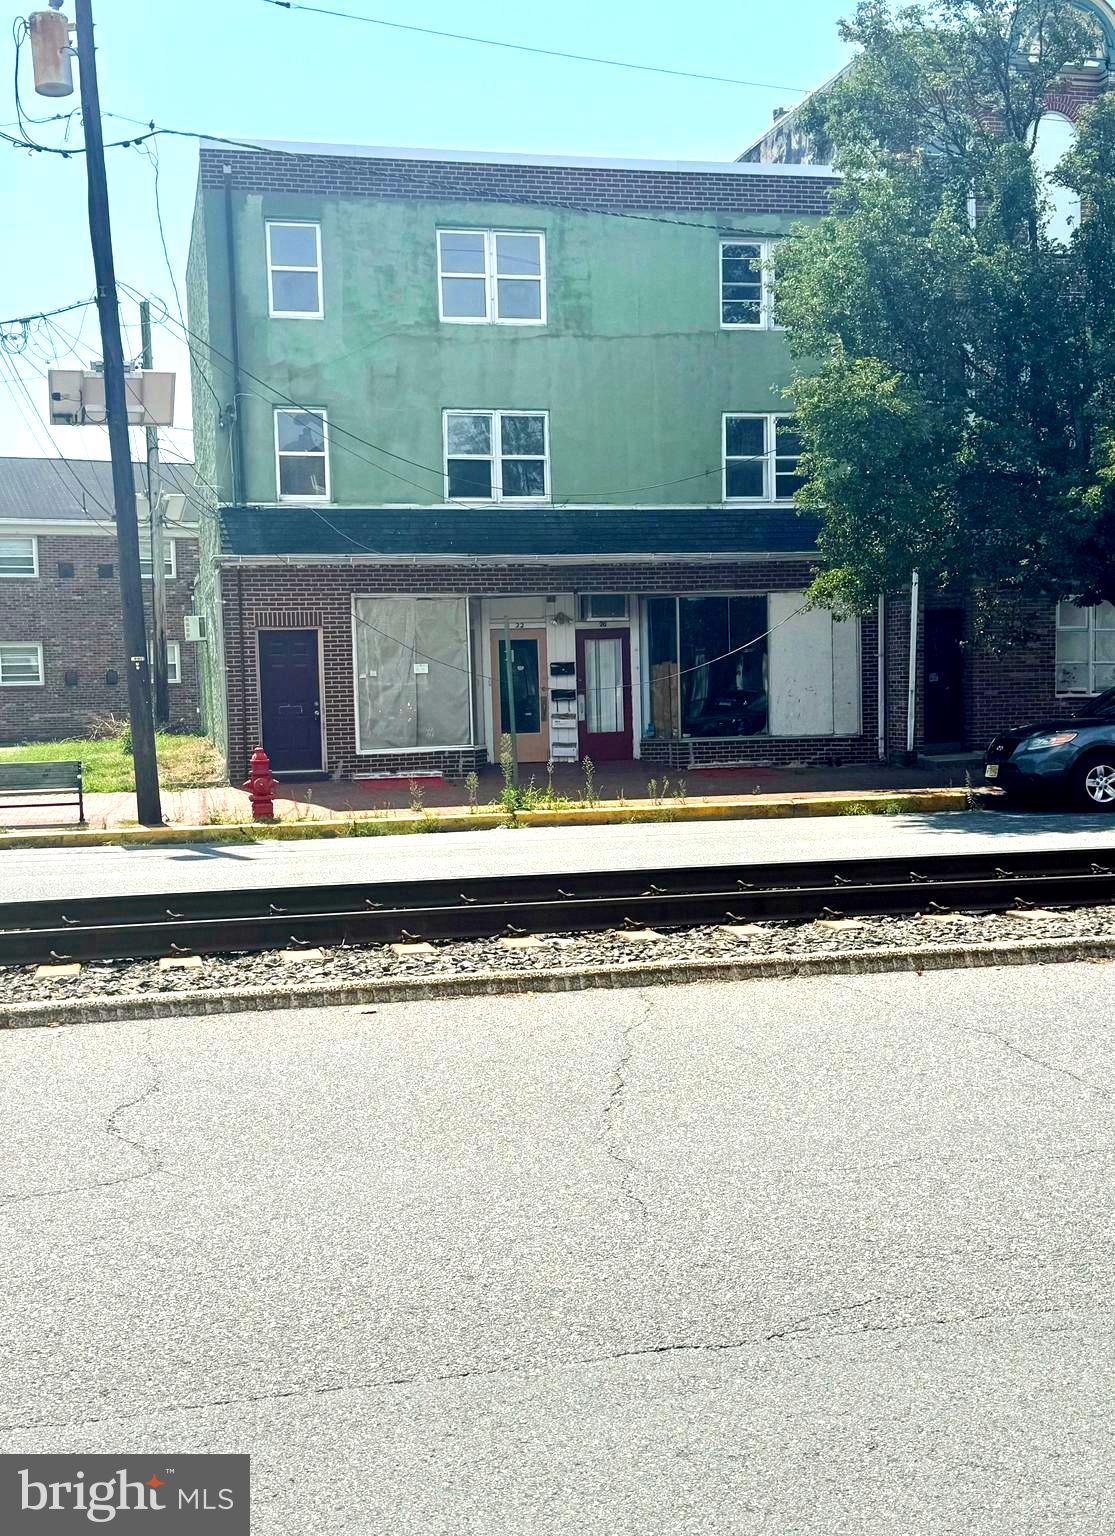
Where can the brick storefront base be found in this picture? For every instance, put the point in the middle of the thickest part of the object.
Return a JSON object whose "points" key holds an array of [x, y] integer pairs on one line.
{"points": [[320, 597]]}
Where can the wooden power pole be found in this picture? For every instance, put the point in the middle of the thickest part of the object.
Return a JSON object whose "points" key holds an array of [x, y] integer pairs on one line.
{"points": [[148, 804], [158, 541]]}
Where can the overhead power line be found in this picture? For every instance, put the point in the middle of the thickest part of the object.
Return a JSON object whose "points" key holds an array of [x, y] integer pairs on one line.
{"points": [[548, 53]]}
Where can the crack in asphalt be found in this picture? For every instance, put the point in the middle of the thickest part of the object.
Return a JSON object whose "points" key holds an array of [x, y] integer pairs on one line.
{"points": [[615, 1105], [153, 1160], [1037, 1061], [796, 1329]]}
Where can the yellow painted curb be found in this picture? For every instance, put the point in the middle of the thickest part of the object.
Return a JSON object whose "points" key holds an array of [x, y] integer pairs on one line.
{"points": [[607, 814]]}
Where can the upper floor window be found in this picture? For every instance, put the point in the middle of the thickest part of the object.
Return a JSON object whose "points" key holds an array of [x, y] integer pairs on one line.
{"points": [[146, 563], [19, 557], [496, 456], [491, 276], [761, 455], [745, 287], [21, 666], [1085, 648], [294, 270], [302, 455]]}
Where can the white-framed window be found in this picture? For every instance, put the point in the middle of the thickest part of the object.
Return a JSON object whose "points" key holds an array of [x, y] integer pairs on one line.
{"points": [[491, 276], [173, 660], [746, 291], [302, 455], [146, 565], [603, 605], [1085, 649], [21, 666], [497, 455], [761, 455], [294, 285], [19, 557]]}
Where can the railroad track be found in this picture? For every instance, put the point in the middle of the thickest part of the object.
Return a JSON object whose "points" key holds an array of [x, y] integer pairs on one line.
{"points": [[230, 922]]}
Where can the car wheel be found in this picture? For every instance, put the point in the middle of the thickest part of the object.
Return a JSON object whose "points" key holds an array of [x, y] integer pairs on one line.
{"points": [[1095, 783]]}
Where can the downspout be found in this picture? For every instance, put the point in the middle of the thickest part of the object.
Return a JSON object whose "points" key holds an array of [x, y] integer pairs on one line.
{"points": [[234, 338], [243, 662], [882, 652], [911, 698]]}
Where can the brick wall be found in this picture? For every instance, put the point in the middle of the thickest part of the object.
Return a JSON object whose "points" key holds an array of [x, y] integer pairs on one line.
{"points": [[557, 186], [258, 597], [77, 621]]}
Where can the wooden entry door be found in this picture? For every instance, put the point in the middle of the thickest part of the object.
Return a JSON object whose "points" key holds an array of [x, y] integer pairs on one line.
{"points": [[604, 694], [290, 699], [532, 694]]}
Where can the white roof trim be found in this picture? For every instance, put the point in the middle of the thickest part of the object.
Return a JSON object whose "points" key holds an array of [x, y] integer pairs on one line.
{"points": [[502, 157]]}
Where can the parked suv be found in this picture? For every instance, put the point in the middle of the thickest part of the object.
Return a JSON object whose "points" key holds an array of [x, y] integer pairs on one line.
{"points": [[1069, 757]]}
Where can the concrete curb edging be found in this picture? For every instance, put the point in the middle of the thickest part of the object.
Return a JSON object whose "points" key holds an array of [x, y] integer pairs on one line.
{"points": [[167, 1005], [451, 819]]}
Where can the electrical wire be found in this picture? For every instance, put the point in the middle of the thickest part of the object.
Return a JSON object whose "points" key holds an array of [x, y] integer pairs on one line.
{"points": [[332, 428], [549, 53], [617, 687]]}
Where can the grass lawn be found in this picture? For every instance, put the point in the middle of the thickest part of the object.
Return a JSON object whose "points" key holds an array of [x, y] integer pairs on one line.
{"points": [[185, 762]]}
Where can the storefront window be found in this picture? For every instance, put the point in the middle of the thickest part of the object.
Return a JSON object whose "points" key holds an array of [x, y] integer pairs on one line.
{"points": [[702, 682], [412, 673], [662, 666], [723, 688]]}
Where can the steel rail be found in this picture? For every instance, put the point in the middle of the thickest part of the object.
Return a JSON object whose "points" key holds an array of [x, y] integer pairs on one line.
{"points": [[215, 922]]}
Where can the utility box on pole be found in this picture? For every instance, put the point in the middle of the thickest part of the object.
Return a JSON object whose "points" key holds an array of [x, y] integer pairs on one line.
{"points": [[77, 397], [51, 53]]}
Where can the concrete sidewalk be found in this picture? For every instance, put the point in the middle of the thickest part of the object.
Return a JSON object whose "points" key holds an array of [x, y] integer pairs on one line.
{"points": [[620, 783]]}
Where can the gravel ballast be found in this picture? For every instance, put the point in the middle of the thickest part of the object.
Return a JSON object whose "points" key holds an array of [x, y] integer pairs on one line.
{"points": [[472, 961]]}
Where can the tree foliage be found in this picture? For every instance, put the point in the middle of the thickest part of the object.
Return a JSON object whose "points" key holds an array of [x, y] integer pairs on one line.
{"points": [[955, 383]]}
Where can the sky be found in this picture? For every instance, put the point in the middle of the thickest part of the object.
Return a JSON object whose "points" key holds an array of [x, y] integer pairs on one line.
{"points": [[244, 68]]}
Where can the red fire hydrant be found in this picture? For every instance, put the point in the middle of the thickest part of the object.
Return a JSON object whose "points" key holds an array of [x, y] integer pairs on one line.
{"points": [[261, 786]]}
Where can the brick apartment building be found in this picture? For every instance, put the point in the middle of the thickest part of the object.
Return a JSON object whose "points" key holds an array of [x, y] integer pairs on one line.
{"points": [[62, 655]]}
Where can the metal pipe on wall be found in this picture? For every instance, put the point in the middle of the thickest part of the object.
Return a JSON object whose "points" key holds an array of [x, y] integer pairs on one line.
{"points": [[912, 694], [882, 654]]}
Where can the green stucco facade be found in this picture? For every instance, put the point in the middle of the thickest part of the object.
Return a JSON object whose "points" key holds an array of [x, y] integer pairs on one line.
{"points": [[632, 363]]}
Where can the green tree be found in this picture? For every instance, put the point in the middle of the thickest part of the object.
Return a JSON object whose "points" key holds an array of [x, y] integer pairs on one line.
{"points": [[955, 376]]}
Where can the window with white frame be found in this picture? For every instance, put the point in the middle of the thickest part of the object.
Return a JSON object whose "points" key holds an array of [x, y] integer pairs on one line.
{"points": [[745, 285], [1085, 648], [497, 456], [413, 673], [19, 557], [146, 560], [294, 287], [761, 458], [302, 455], [491, 276], [21, 666], [173, 660]]}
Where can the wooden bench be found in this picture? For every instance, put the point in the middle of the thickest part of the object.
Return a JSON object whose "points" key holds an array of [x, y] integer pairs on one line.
{"points": [[20, 781]]}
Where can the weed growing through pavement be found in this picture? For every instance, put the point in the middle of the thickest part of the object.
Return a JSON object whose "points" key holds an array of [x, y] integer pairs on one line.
{"points": [[472, 785], [588, 772]]}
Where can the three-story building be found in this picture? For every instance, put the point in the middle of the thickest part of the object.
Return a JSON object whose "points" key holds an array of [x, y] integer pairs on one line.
{"points": [[450, 401]]}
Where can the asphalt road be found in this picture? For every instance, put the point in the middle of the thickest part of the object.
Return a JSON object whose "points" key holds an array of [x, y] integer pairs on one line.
{"points": [[27, 874], [794, 1257]]}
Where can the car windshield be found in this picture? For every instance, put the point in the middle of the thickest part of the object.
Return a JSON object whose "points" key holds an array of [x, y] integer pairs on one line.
{"points": [[1104, 705]]}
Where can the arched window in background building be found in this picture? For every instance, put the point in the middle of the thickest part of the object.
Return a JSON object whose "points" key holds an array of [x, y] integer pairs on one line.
{"points": [[1055, 137]]}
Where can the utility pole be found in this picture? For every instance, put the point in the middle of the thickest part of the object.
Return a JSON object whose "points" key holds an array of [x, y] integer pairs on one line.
{"points": [[148, 804], [158, 548]]}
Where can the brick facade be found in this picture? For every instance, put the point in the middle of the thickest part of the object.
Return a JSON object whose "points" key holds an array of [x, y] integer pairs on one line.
{"points": [[584, 187], [258, 597], [77, 621]]}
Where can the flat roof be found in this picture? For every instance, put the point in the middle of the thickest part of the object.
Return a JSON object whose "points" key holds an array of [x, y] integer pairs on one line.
{"points": [[510, 157]]}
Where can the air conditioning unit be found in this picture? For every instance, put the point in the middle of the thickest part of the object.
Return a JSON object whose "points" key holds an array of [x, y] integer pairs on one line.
{"points": [[194, 626], [77, 399]]}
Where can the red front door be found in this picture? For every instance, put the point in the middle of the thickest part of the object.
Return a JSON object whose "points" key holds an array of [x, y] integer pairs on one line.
{"points": [[604, 694]]}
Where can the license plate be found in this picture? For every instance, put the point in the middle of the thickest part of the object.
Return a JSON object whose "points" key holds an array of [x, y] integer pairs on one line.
{"points": [[991, 771]]}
